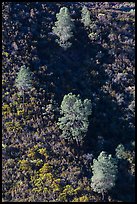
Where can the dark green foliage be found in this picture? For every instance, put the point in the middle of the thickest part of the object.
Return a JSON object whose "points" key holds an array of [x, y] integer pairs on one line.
{"points": [[63, 28], [24, 79], [123, 154], [37, 164], [104, 173], [120, 151], [85, 17], [74, 122]]}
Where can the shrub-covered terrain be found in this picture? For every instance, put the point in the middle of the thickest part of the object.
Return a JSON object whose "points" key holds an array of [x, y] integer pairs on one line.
{"points": [[68, 101]]}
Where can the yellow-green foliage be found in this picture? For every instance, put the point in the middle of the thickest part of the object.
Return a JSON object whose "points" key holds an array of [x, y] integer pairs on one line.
{"points": [[7, 93], [43, 178], [6, 108], [17, 124], [44, 181], [5, 54], [3, 82], [36, 162], [15, 103], [32, 100], [81, 199], [62, 197], [68, 190], [43, 174], [43, 152], [56, 187], [77, 190], [24, 165], [31, 154], [45, 169], [20, 112], [36, 149], [9, 124], [13, 126], [33, 160]]}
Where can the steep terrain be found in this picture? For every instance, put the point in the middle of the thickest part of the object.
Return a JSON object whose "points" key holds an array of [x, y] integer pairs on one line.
{"points": [[37, 165]]}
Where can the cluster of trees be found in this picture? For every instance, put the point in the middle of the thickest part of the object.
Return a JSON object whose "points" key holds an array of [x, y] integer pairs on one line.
{"points": [[64, 25], [74, 125], [52, 165]]}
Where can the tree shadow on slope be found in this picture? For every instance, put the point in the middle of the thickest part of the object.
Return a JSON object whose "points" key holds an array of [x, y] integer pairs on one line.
{"points": [[76, 70], [107, 128], [70, 68], [125, 185]]}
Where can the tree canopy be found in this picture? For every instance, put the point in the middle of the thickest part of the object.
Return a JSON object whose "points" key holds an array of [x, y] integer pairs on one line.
{"points": [[63, 28], [104, 171], [24, 79], [74, 122]]}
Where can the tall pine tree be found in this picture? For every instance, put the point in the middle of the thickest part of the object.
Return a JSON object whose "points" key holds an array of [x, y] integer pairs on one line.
{"points": [[74, 121], [85, 17], [24, 80], [63, 28], [104, 173]]}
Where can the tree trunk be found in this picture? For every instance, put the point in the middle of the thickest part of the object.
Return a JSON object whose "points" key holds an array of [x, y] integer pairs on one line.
{"points": [[23, 99], [103, 196]]}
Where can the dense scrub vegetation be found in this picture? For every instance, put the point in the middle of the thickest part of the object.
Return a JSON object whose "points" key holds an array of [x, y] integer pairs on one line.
{"points": [[68, 101]]}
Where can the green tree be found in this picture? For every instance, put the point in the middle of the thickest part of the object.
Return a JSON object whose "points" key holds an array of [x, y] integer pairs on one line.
{"points": [[85, 17], [74, 121], [120, 151], [63, 28], [24, 80], [104, 173], [129, 155]]}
